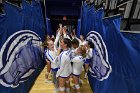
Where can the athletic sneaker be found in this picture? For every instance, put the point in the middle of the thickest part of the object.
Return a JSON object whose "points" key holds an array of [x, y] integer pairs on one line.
{"points": [[67, 90], [56, 90], [48, 81]]}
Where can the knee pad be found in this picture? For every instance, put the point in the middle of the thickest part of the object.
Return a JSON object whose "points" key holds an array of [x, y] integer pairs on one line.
{"points": [[62, 88], [77, 86], [68, 81]]}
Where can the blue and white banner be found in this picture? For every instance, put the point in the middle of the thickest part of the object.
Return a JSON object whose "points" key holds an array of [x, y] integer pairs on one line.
{"points": [[21, 53], [123, 57], [99, 67]]}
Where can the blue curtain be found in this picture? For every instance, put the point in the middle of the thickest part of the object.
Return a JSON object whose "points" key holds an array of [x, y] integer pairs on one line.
{"points": [[99, 14], [87, 19], [13, 16], [27, 15], [2, 29], [38, 24], [84, 16], [123, 55], [21, 55], [78, 28], [90, 19], [33, 17]]}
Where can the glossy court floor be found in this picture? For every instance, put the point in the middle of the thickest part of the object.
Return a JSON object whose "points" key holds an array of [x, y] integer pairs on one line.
{"points": [[41, 87]]}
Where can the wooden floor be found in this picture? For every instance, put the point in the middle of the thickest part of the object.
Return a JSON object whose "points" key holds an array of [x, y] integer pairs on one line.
{"points": [[41, 87]]}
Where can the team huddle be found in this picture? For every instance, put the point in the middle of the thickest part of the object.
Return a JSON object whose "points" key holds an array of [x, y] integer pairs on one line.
{"points": [[65, 56]]}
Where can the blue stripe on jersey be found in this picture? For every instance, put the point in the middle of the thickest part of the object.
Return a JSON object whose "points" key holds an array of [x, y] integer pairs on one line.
{"points": [[61, 57], [50, 55], [45, 51], [87, 61], [75, 74], [55, 69], [63, 77], [68, 52]]}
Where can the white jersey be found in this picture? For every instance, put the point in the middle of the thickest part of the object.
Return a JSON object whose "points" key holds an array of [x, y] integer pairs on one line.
{"points": [[65, 64], [78, 62], [89, 53], [73, 54], [52, 56], [56, 42]]}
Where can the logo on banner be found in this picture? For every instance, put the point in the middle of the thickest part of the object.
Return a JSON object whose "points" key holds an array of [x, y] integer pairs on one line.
{"points": [[20, 55], [99, 65]]}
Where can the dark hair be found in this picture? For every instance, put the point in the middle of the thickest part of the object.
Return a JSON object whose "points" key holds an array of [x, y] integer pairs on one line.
{"points": [[57, 27], [75, 41], [67, 41], [91, 44]]}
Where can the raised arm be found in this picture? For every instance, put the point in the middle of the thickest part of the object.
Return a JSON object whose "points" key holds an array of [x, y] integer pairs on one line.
{"points": [[58, 37]]}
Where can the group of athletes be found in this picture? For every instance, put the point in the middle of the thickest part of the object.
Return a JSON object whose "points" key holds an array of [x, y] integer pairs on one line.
{"points": [[65, 56]]}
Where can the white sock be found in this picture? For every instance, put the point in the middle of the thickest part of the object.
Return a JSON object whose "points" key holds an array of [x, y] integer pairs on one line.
{"points": [[68, 90]]}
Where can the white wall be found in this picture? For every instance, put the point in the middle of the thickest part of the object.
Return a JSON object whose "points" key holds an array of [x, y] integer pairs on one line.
{"points": [[136, 11], [128, 9]]}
